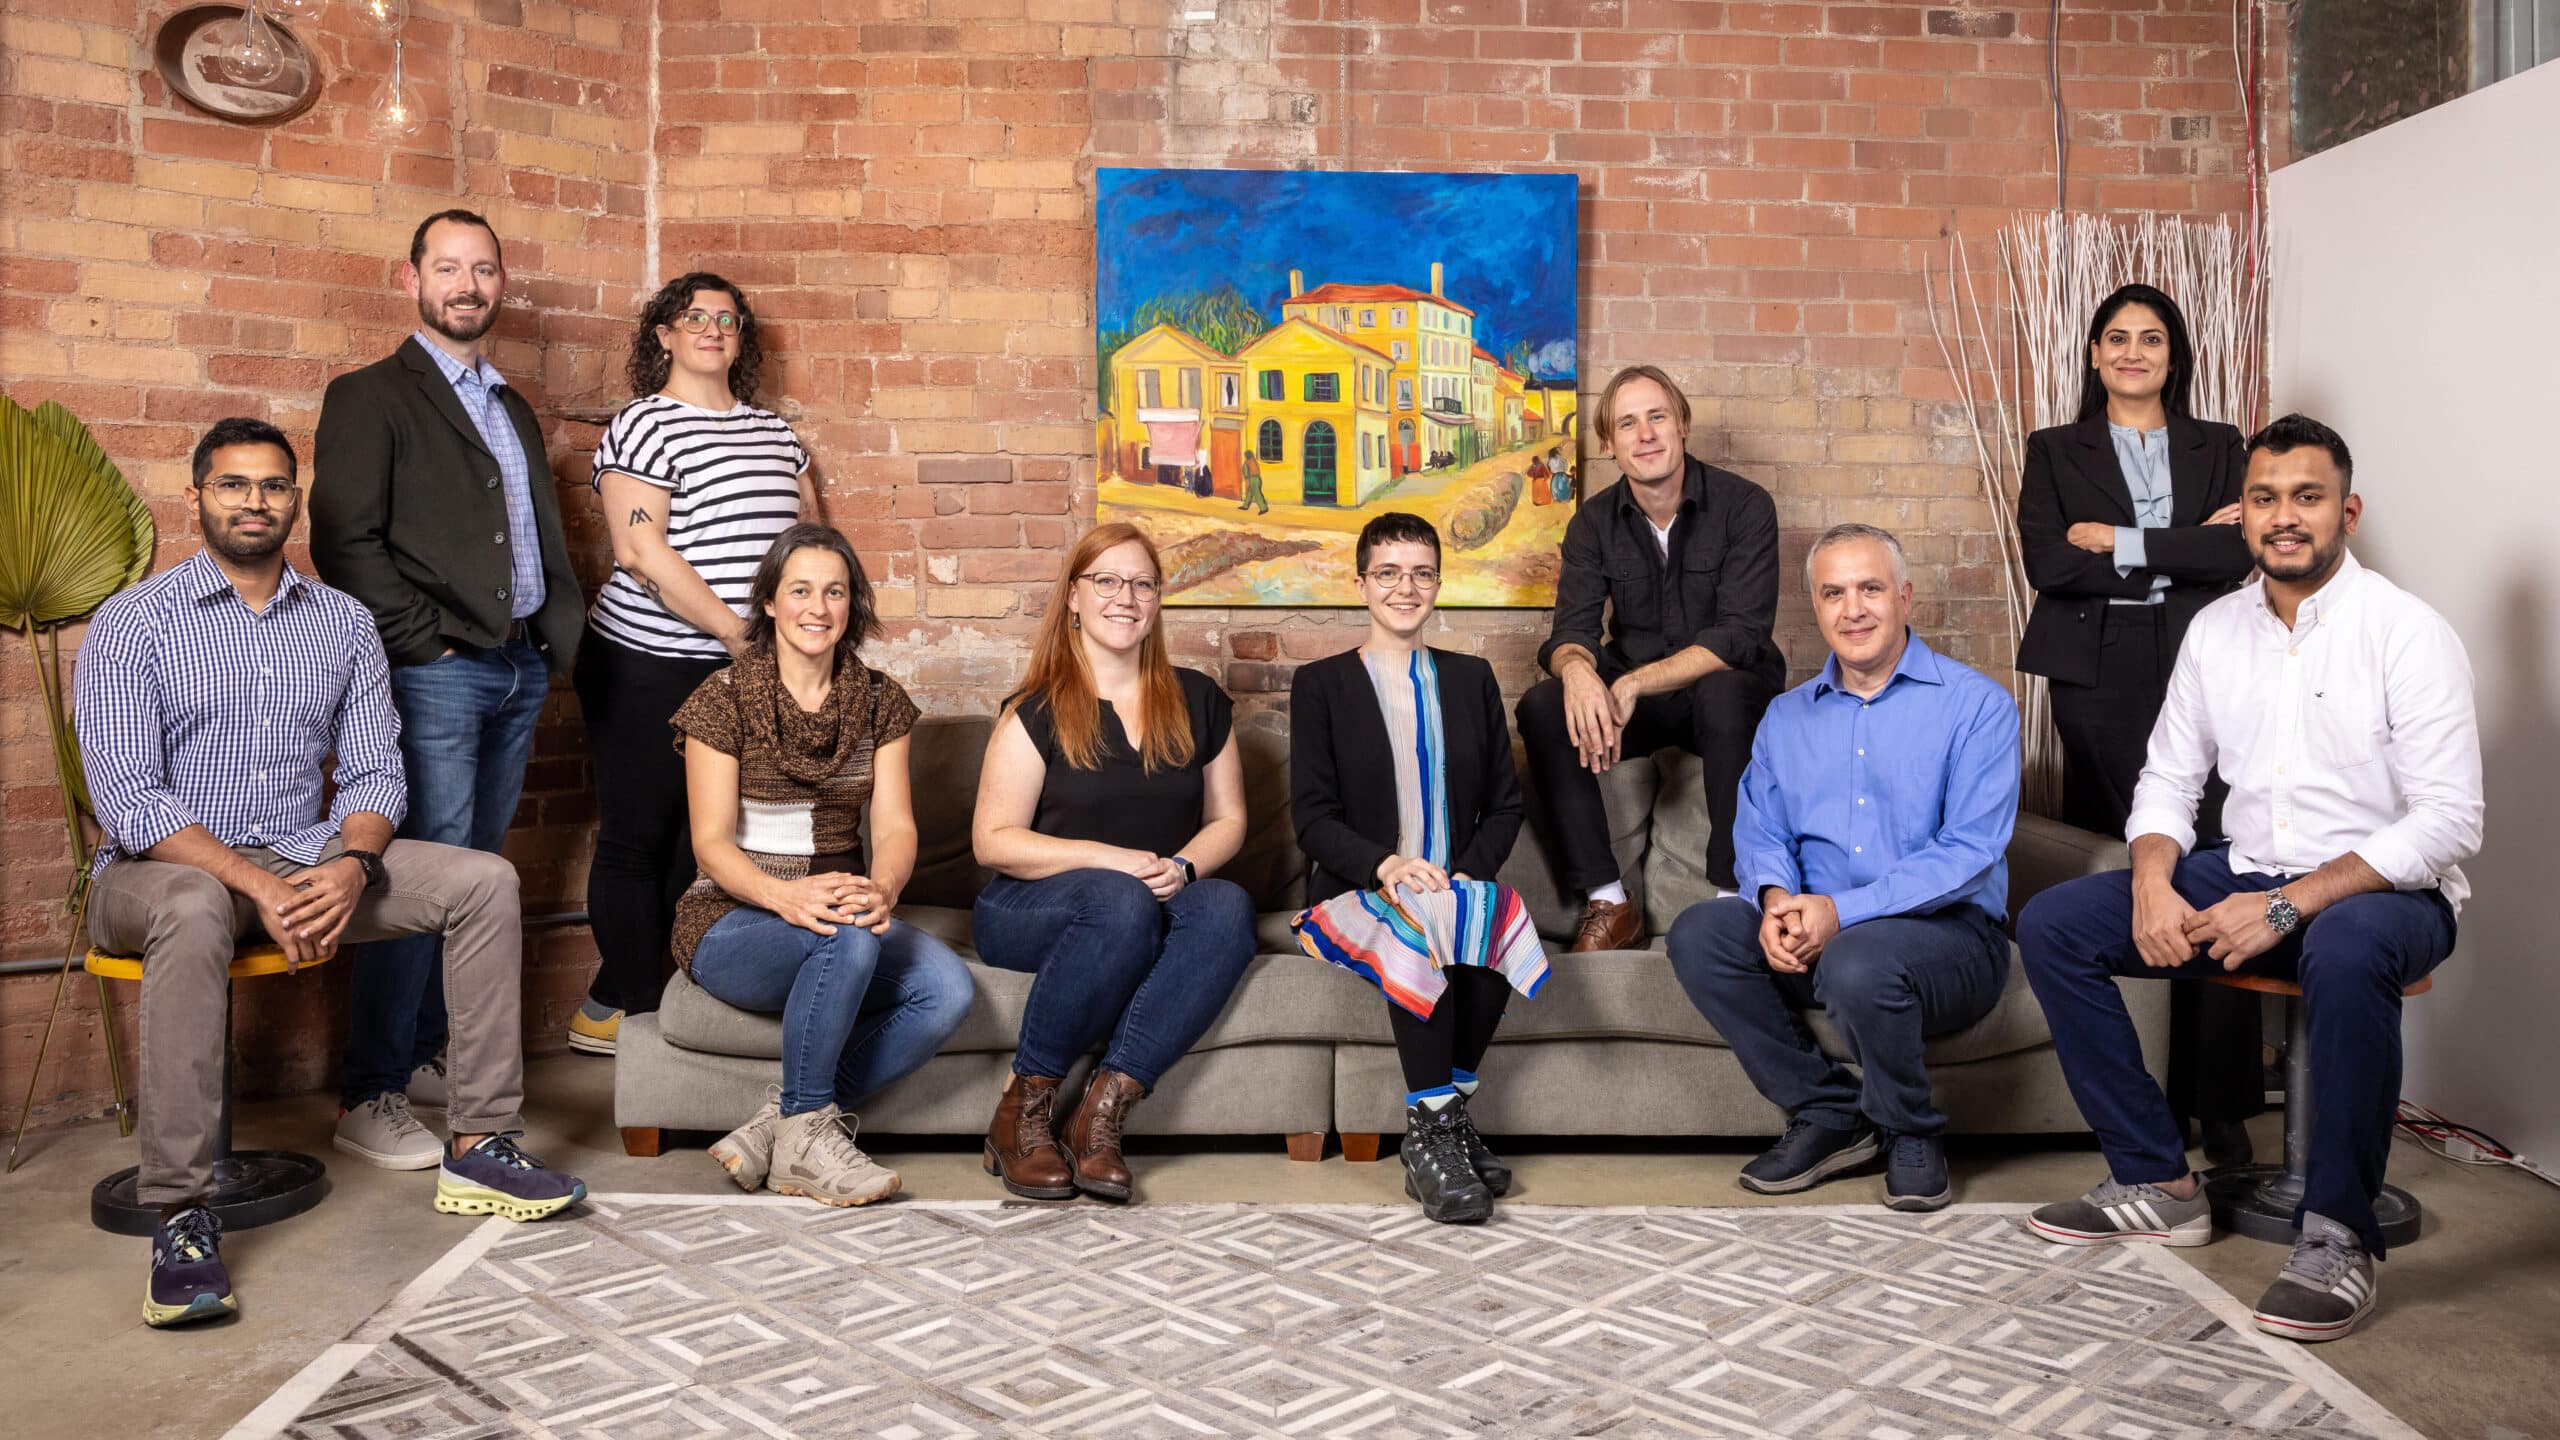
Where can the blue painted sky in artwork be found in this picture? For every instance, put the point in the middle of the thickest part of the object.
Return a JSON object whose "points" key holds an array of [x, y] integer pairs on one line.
{"points": [[1506, 242]]}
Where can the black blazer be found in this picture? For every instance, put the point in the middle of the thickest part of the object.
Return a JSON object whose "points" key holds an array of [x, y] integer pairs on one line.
{"points": [[404, 500], [1342, 777], [2072, 476]]}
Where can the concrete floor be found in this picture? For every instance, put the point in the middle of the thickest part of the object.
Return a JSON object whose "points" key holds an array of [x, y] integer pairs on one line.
{"points": [[2462, 1347]]}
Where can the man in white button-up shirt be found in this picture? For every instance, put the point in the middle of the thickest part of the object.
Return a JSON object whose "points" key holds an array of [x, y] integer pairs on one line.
{"points": [[2339, 708]]}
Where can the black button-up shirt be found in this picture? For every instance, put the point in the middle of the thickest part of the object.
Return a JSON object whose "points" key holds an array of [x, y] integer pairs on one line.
{"points": [[1717, 588]]}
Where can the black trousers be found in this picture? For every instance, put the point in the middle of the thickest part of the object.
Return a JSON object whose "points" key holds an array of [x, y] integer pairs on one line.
{"points": [[1713, 719], [644, 846], [2214, 1031]]}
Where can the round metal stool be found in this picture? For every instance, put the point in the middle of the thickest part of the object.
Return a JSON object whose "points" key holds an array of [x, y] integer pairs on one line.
{"points": [[2259, 1200]]}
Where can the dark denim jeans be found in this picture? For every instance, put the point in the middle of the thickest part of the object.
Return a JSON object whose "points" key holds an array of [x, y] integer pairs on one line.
{"points": [[1115, 961], [858, 1010], [2352, 962], [466, 729], [1887, 985]]}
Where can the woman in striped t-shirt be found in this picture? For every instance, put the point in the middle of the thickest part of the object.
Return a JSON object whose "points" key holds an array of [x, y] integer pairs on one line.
{"points": [[696, 483]]}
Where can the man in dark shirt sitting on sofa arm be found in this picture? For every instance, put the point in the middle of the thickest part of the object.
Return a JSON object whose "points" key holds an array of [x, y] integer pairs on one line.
{"points": [[1683, 558]]}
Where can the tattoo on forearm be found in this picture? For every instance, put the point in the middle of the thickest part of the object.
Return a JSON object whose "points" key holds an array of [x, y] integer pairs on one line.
{"points": [[651, 587], [639, 516]]}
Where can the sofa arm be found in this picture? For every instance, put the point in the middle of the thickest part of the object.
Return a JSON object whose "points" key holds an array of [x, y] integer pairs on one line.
{"points": [[2044, 853]]}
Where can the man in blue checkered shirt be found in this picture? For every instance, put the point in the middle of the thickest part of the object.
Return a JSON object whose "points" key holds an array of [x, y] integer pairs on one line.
{"points": [[209, 697]]}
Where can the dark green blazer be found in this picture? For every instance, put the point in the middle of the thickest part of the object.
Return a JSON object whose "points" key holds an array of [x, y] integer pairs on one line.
{"points": [[405, 500]]}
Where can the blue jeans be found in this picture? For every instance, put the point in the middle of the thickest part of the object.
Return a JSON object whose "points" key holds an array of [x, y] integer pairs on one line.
{"points": [[858, 1010], [1887, 985], [2352, 962], [466, 730], [1113, 960]]}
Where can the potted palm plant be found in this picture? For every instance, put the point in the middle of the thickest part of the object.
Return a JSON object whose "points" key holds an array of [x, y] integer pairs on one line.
{"points": [[72, 533]]}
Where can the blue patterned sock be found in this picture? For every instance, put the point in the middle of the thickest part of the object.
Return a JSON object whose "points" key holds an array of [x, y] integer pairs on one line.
{"points": [[1464, 1082], [1437, 1097]]}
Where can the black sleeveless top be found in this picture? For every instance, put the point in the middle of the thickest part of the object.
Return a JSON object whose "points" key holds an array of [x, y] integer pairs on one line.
{"points": [[1119, 802]]}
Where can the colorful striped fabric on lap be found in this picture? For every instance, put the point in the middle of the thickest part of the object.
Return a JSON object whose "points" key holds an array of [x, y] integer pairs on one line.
{"points": [[1400, 942]]}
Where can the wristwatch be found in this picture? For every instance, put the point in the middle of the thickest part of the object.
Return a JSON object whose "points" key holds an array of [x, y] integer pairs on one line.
{"points": [[2283, 916], [374, 874], [1189, 873]]}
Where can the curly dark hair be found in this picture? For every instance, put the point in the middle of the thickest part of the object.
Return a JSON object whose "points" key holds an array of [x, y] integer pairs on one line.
{"points": [[650, 362]]}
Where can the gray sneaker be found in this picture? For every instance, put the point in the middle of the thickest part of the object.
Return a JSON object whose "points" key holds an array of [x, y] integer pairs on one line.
{"points": [[427, 1088], [2114, 1212], [814, 1156], [384, 1133], [747, 1152], [2323, 1290]]}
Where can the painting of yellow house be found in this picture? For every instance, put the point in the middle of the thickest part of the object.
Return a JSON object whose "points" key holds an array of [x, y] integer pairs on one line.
{"points": [[1316, 414], [1281, 356]]}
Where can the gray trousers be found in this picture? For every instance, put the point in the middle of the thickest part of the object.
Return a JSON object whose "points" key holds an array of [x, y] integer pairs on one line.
{"points": [[185, 925]]}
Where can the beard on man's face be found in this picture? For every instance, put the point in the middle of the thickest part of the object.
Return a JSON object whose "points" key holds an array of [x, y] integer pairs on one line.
{"points": [[464, 326], [2315, 557], [240, 534]]}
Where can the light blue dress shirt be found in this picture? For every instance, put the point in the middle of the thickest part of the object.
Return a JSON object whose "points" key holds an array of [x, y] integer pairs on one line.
{"points": [[2143, 456], [1896, 805], [477, 387]]}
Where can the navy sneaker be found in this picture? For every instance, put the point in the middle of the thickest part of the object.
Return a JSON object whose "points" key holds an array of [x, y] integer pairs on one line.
{"points": [[188, 1282], [1915, 1173], [496, 1178], [1808, 1154]]}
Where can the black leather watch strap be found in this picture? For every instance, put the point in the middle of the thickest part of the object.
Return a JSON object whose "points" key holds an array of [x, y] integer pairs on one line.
{"points": [[374, 874]]}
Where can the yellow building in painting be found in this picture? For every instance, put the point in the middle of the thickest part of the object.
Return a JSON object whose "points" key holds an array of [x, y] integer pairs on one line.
{"points": [[1428, 338], [1177, 400], [1317, 414], [1509, 403]]}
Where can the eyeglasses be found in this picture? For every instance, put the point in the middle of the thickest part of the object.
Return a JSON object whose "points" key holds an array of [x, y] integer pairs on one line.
{"points": [[232, 492], [1144, 589], [694, 322], [1388, 577]]}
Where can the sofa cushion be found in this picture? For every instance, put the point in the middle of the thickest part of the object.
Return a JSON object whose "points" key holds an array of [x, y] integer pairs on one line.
{"points": [[1626, 792], [943, 755], [1675, 857], [1281, 998]]}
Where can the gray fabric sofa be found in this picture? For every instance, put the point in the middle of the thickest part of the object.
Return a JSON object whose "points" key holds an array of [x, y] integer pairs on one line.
{"points": [[1611, 1046]]}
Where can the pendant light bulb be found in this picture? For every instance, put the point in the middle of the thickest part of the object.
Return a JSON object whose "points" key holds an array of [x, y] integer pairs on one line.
{"points": [[250, 53], [291, 10], [382, 18], [397, 116]]}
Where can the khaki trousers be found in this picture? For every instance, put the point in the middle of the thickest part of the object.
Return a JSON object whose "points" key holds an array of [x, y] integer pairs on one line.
{"points": [[185, 925]]}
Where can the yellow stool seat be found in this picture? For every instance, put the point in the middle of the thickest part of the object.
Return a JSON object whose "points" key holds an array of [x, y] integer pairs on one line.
{"points": [[249, 962]]}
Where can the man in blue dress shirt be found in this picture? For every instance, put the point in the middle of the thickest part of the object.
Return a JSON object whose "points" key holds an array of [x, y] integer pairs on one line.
{"points": [[209, 697], [1870, 842]]}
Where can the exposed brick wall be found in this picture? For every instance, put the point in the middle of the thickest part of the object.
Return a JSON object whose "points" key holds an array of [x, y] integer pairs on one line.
{"points": [[160, 269], [906, 190]]}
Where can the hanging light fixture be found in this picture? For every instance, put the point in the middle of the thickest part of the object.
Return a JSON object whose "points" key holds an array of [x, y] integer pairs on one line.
{"points": [[249, 53], [291, 10], [382, 18], [397, 116]]}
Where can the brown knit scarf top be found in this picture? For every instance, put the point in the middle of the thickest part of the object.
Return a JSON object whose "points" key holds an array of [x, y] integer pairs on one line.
{"points": [[804, 777]]}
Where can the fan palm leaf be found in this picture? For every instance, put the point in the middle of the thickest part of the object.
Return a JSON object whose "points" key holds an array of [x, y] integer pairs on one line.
{"points": [[72, 532]]}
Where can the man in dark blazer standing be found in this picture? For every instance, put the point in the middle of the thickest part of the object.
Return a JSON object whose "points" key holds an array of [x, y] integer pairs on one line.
{"points": [[432, 503], [1682, 560]]}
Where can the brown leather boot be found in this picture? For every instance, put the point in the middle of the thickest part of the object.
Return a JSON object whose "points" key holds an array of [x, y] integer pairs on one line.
{"points": [[1608, 927], [1022, 1148], [1092, 1135]]}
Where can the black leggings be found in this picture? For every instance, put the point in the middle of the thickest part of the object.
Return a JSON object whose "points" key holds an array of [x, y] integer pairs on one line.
{"points": [[644, 850], [1460, 1027]]}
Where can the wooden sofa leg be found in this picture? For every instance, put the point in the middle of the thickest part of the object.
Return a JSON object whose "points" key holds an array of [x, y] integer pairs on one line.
{"points": [[1361, 1148], [1306, 1145], [641, 1140]]}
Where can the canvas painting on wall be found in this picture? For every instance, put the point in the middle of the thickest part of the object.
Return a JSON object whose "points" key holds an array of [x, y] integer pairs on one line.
{"points": [[1285, 354]]}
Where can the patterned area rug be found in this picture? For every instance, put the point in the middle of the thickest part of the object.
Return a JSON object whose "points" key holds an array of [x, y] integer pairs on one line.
{"points": [[655, 1317]]}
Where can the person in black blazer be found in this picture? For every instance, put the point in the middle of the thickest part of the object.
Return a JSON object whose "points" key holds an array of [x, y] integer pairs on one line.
{"points": [[432, 502], [2129, 522], [1406, 804]]}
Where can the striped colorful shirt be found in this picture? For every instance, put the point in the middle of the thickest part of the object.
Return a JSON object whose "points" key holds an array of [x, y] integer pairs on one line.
{"points": [[194, 709], [477, 387], [1409, 699], [732, 479]]}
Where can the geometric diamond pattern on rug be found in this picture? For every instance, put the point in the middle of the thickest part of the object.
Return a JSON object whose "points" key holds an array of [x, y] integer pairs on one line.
{"points": [[670, 1317]]}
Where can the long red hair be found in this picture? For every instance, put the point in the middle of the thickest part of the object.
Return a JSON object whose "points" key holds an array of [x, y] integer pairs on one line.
{"points": [[1060, 677]]}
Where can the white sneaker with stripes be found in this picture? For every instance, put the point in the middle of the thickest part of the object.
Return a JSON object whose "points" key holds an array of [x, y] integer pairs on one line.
{"points": [[2324, 1289], [2113, 1212]]}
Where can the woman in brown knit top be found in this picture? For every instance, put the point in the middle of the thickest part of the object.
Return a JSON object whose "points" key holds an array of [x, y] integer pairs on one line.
{"points": [[784, 753]]}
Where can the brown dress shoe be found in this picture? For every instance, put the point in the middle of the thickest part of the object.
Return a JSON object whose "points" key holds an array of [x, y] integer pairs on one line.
{"points": [[1022, 1148], [1092, 1135], [1608, 927]]}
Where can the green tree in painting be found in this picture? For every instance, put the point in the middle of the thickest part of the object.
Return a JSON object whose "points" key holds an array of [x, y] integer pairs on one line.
{"points": [[1516, 360], [1223, 320]]}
